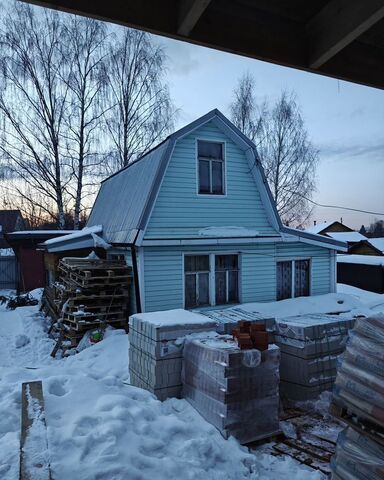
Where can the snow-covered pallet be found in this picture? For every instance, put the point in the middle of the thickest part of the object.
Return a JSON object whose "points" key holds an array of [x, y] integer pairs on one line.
{"points": [[312, 442]]}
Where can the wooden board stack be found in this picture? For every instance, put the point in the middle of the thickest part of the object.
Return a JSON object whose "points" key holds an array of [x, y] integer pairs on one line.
{"points": [[92, 294], [358, 400]]}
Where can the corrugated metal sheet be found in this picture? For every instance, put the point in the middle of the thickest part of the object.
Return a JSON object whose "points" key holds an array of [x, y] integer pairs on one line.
{"points": [[123, 198]]}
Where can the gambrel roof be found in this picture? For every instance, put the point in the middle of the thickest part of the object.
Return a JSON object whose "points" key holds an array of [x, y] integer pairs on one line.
{"points": [[126, 199]]}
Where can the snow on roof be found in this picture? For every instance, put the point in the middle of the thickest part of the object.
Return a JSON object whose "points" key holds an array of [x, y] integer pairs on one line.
{"points": [[43, 232], [347, 236], [318, 227], [76, 234], [361, 259], [327, 303], [378, 243]]}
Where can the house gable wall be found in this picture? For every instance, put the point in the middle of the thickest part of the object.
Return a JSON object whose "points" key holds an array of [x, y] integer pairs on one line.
{"points": [[179, 212]]}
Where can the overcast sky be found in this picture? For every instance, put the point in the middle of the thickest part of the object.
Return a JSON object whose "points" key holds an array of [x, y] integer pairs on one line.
{"points": [[345, 121]]}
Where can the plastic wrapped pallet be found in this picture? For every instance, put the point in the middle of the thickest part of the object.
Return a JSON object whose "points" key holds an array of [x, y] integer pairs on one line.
{"points": [[156, 348], [359, 386], [310, 346], [235, 390], [357, 457]]}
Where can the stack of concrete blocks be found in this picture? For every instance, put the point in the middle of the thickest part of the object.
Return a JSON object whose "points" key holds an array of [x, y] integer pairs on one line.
{"points": [[235, 390], [358, 399], [358, 457], [359, 386], [156, 348], [228, 318], [310, 346]]}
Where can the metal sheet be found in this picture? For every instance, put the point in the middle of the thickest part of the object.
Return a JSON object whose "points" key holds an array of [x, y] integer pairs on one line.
{"points": [[123, 197]]}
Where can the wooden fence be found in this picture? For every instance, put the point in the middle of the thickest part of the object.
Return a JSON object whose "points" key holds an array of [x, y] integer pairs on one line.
{"points": [[8, 272]]}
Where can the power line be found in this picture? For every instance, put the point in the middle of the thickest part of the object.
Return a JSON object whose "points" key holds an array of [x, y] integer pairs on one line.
{"points": [[335, 206]]}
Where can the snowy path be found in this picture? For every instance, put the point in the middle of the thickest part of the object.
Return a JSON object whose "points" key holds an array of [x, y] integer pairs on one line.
{"points": [[100, 428]]}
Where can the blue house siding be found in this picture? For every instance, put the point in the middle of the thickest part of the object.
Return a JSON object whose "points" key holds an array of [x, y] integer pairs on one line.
{"points": [[164, 282], [180, 212]]}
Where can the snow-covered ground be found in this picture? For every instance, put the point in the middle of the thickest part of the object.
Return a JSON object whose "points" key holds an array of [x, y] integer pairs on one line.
{"points": [[100, 427]]}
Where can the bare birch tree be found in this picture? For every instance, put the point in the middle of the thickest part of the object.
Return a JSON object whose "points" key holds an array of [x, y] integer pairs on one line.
{"points": [[84, 47], [32, 107], [245, 112], [142, 112], [284, 148]]}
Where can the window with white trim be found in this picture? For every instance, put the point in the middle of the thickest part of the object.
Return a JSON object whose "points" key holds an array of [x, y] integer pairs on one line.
{"points": [[226, 279], [211, 279], [293, 279], [196, 271], [211, 167]]}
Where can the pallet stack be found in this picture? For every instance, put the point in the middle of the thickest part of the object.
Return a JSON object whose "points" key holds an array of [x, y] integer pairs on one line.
{"points": [[156, 348], [92, 294], [358, 400], [236, 390], [310, 346]]}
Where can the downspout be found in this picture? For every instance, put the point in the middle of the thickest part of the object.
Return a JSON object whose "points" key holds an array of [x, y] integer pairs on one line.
{"points": [[136, 277]]}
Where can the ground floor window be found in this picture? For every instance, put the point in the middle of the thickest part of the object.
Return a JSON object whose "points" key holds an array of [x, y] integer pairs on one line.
{"points": [[293, 278], [226, 279], [211, 279]]}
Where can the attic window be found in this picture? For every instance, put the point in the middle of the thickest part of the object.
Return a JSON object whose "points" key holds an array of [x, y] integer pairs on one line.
{"points": [[211, 167]]}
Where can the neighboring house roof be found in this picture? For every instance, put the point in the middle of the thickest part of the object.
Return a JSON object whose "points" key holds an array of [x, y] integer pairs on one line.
{"points": [[10, 220], [377, 243], [319, 227], [361, 259], [125, 199], [325, 228], [347, 236]]}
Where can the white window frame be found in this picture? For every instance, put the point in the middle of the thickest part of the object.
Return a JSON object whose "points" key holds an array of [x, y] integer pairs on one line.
{"points": [[212, 277], [293, 260], [224, 172]]}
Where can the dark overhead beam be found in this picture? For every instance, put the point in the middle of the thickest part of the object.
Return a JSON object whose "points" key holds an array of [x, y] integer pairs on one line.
{"points": [[337, 25], [189, 13]]}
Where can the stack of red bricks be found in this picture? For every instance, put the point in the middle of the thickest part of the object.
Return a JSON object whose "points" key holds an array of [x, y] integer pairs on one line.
{"points": [[250, 335]]}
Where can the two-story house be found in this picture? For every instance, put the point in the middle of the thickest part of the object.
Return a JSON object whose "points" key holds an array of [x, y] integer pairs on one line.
{"points": [[196, 220]]}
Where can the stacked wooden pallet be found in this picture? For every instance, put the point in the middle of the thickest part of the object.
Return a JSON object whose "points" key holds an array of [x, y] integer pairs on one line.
{"points": [[91, 294], [358, 400]]}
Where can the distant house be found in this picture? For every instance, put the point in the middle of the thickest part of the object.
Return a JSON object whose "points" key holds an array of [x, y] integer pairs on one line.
{"points": [[378, 243], [10, 221], [357, 243], [197, 222]]}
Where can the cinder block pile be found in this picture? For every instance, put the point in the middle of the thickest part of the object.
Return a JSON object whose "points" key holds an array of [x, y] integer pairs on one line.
{"points": [[357, 457], [236, 390], [310, 346], [156, 348], [358, 400]]}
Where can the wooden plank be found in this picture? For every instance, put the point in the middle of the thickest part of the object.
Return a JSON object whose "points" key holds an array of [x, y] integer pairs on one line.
{"points": [[33, 434], [338, 24]]}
